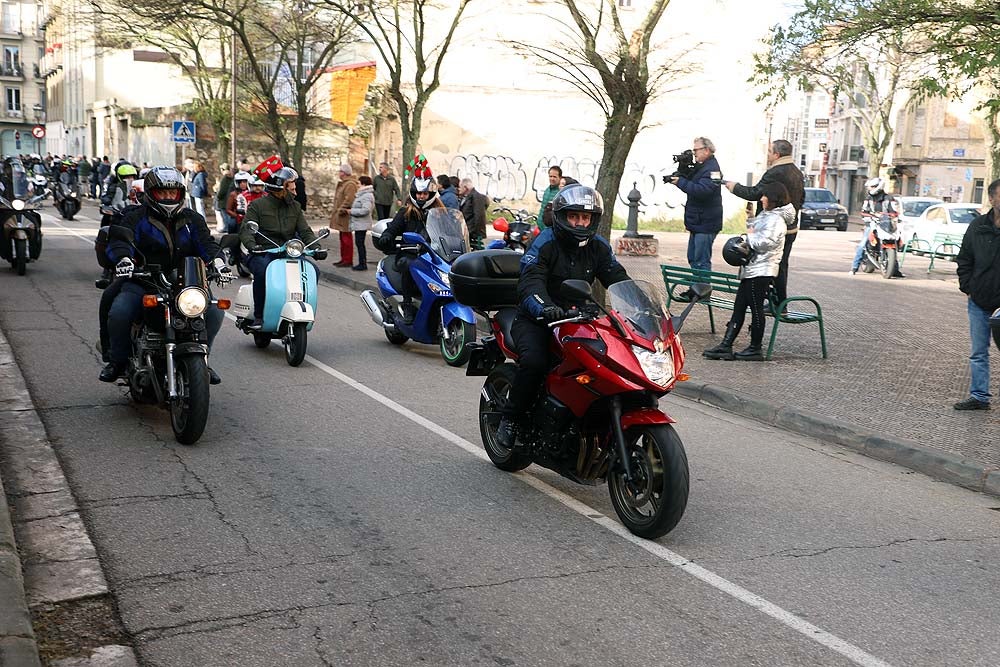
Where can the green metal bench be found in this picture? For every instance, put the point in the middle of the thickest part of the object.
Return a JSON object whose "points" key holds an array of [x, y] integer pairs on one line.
{"points": [[940, 247], [724, 287]]}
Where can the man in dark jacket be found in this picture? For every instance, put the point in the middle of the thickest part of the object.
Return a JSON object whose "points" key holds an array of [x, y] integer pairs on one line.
{"points": [[279, 218], [703, 211], [570, 249], [386, 191], [979, 278], [781, 169], [447, 193], [164, 231], [473, 206]]}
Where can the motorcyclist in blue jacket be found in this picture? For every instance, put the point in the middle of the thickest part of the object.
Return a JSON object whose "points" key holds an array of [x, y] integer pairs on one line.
{"points": [[164, 231]]}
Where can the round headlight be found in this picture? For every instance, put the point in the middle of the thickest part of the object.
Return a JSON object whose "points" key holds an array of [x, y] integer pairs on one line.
{"points": [[192, 301], [18, 205], [294, 248]]}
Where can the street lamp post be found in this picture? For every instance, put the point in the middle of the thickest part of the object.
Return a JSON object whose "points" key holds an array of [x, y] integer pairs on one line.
{"points": [[39, 112]]}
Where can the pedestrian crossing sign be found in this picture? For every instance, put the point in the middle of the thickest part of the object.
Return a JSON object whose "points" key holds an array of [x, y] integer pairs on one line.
{"points": [[184, 132]]}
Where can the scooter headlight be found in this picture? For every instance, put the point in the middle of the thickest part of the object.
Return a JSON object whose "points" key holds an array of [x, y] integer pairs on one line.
{"points": [[295, 248], [443, 275], [18, 205], [657, 366], [192, 301]]}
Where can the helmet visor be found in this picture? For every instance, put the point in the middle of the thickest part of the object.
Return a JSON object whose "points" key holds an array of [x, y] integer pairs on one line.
{"points": [[167, 195]]}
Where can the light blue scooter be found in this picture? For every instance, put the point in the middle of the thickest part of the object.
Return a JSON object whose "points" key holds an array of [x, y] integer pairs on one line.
{"points": [[290, 305]]}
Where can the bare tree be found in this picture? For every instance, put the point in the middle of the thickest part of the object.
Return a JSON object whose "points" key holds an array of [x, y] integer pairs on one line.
{"points": [[399, 31], [611, 67], [811, 53], [199, 48], [284, 47]]}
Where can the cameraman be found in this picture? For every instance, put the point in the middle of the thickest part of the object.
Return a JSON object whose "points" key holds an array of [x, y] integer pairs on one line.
{"points": [[703, 211]]}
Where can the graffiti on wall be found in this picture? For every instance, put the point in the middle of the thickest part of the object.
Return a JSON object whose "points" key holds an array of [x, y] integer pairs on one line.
{"points": [[505, 177]]}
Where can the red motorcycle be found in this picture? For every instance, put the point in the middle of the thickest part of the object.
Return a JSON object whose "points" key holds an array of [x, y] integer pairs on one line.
{"points": [[596, 416]]}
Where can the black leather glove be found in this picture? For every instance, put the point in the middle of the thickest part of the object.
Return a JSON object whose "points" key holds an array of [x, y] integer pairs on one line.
{"points": [[553, 313]]}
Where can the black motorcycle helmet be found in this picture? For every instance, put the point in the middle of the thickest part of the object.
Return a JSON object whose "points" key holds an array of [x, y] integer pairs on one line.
{"points": [[164, 192], [736, 252], [576, 198], [276, 181]]}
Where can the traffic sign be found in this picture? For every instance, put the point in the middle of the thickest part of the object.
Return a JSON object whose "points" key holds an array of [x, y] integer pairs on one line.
{"points": [[184, 132], [38, 132]]}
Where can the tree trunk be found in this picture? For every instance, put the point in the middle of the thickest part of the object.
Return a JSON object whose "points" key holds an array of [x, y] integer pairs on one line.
{"points": [[620, 132]]}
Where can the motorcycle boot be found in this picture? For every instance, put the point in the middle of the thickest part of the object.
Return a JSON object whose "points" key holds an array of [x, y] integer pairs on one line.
{"points": [[408, 311], [507, 432], [112, 371], [753, 352], [213, 377], [724, 350]]}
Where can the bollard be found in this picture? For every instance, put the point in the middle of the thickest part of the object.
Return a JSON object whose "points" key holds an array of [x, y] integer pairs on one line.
{"points": [[632, 223], [632, 242]]}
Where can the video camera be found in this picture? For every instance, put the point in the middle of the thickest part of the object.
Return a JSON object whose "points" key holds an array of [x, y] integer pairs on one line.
{"points": [[686, 166]]}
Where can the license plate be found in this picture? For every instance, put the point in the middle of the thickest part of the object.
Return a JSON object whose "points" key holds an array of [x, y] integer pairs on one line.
{"points": [[827, 221], [295, 296]]}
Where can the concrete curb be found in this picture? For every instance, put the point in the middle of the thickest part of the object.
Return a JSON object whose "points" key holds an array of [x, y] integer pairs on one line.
{"points": [[17, 638], [939, 465]]}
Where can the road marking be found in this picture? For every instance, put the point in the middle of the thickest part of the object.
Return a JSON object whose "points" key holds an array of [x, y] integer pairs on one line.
{"points": [[853, 653], [816, 634], [88, 239]]}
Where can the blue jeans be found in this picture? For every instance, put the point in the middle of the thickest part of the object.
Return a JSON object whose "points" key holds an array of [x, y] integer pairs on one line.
{"points": [[700, 250], [127, 309], [979, 360], [257, 264], [859, 253]]}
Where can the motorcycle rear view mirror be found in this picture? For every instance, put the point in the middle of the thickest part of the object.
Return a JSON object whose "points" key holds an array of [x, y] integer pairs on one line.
{"points": [[701, 290], [412, 238], [323, 233], [500, 224], [251, 225], [576, 290]]}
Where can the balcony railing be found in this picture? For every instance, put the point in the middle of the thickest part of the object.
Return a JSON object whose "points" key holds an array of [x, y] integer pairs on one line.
{"points": [[12, 69]]}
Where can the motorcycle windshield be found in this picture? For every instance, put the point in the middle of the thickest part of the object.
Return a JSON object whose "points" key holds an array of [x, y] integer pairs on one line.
{"points": [[887, 223], [447, 233], [19, 179], [640, 305]]}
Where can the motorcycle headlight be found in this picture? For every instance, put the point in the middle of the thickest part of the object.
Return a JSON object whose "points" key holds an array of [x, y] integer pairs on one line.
{"points": [[192, 301], [658, 366], [18, 205], [444, 278], [72, 194], [294, 248]]}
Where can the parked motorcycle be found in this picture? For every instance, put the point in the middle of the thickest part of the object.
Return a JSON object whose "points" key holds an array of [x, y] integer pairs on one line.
{"points": [[439, 319], [22, 231], [168, 366], [66, 197], [883, 244], [290, 303], [518, 233], [596, 417]]}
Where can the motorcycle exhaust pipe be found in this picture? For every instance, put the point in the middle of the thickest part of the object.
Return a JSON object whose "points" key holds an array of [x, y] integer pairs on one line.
{"points": [[374, 308]]}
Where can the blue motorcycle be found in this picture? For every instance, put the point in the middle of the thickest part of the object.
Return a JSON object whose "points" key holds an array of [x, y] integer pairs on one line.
{"points": [[439, 318], [290, 302]]}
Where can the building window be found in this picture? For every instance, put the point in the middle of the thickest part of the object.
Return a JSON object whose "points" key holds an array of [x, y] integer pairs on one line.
{"points": [[977, 191], [10, 18], [13, 101], [11, 61], [625, 4]]}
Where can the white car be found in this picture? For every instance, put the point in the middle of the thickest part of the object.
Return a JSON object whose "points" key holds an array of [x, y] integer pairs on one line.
{"points": [[944, 218], [910, 209]]}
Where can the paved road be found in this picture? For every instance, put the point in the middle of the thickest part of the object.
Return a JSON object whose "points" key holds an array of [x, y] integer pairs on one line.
{"points": [[339, 513]]}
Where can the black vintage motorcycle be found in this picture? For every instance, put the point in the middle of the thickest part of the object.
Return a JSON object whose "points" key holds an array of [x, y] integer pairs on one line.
{"points": [[168, 366], [22, 231], [67, 195]]}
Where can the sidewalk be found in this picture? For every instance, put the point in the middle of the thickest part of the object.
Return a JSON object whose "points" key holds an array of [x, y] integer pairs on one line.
{"points": [[898, 359]]}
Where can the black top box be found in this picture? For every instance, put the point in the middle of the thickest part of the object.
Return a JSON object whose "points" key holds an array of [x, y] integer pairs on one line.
{"points": [[486, 279]]}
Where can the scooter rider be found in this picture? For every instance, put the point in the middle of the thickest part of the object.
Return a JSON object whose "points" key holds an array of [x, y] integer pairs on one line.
{"points": [[410, 218], [876, 203], [570, 249], [164, 232], [280, 218]]}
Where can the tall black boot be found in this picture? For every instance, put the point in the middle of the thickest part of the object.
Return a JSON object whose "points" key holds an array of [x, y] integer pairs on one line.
{"points": [[753, 352], [724, 350]]}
